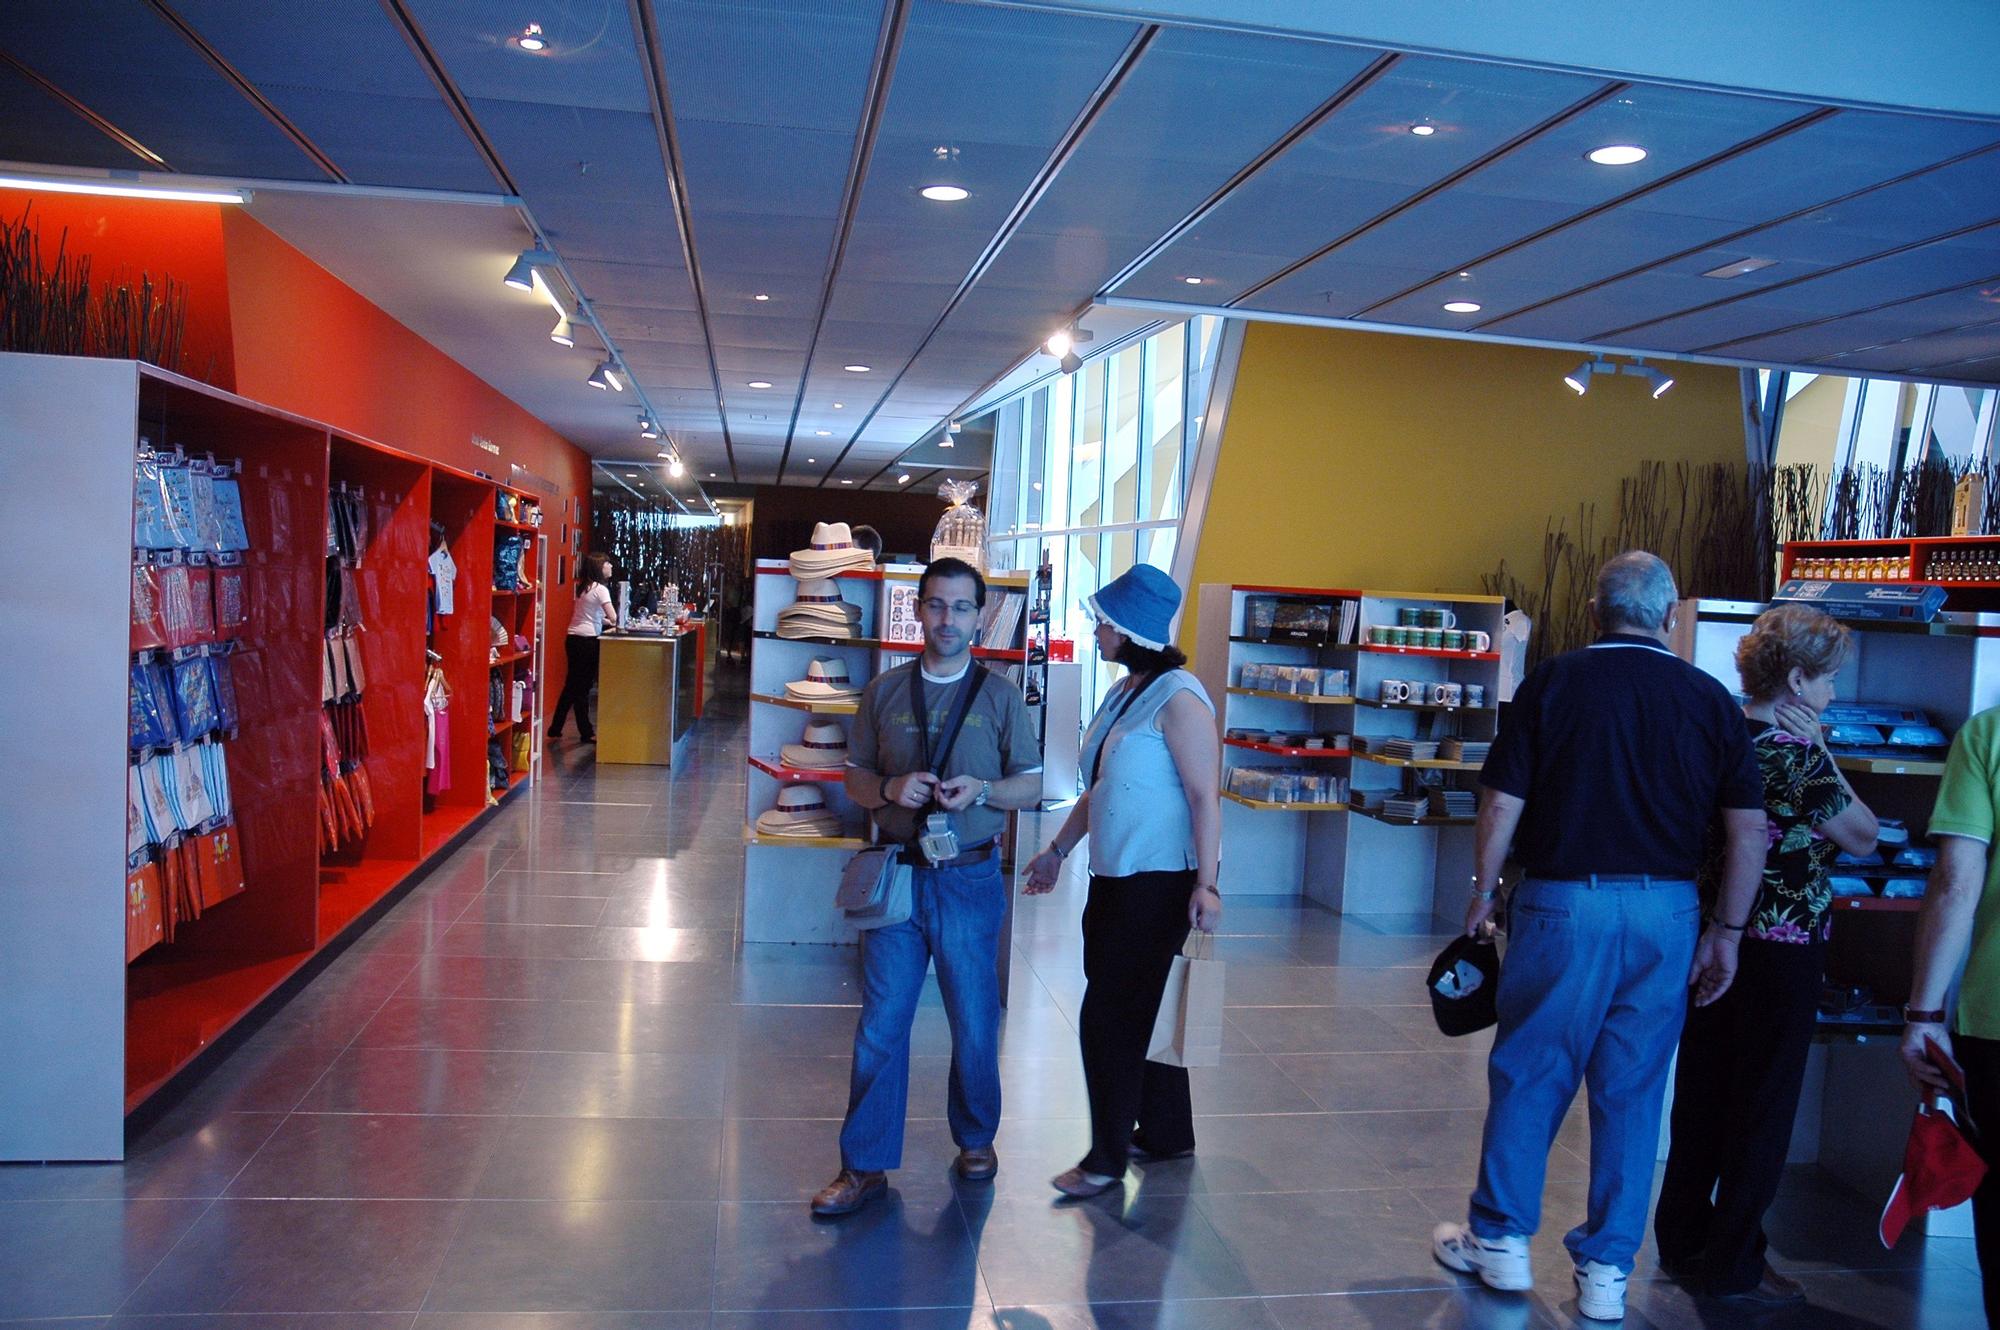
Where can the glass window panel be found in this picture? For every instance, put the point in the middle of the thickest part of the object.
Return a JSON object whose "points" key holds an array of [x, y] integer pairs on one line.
{"points": [[1127, 390], [1062, 404], [1086, 472], [1167, 448], [1083, 580], [1034, 466], [1156, 546], [1004, 512]]}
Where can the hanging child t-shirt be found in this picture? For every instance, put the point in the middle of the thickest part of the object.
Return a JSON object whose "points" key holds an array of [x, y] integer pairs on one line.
{"points": [[444, 571]]}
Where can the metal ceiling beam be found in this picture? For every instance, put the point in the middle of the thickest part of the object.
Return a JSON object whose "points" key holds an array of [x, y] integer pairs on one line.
{"points": [[1714, 348], [1574, 109], [1733, 236], [653, 61], [90, 117], [247, 90], [1072, 138], [1355, 86], [888, 46], [1769, 136]]}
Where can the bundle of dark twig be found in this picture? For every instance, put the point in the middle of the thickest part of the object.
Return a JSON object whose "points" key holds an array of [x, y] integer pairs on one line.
{"points": [[44, 307]]}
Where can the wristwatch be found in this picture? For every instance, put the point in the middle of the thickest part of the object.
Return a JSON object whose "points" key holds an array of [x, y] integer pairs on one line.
{"points": [[985, 792], [1913, 1016]]}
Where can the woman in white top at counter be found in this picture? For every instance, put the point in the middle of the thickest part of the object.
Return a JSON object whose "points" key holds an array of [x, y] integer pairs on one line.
{"points": [[586, 624], [1152, 809]]}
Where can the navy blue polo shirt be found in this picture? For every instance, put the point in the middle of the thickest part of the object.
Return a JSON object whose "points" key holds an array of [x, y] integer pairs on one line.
{"points": [[1623, 752]]}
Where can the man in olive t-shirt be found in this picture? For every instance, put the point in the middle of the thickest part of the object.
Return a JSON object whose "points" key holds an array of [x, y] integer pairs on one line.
{"points": [[1962, 911], [911, 759]]}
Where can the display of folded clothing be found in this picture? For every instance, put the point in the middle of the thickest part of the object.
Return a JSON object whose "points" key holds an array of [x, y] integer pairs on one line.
{"points": [[823, 747], [826, 680], [1465, 750], [801, 811], [1409, 750], [832, 551]]}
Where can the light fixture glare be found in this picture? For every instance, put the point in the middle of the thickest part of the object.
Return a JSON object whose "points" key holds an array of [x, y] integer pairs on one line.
{"points": [[55, 184], [944, 193], [1618, 154], [1461, 307], [1423, 131], [856, 369]]}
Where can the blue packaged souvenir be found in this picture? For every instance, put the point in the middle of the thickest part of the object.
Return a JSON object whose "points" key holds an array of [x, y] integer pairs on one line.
{"points": [[507, 564], [224, 686], [194, 697], [177, 481], [207, 531], [152, 710], [150, 530], [235, 537]]}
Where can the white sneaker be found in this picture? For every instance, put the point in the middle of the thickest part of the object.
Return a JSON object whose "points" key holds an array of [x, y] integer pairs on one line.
{"points": [[1500, 1263], [1600, 1291]]}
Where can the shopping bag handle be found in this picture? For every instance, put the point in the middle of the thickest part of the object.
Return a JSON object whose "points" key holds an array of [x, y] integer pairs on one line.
{"points": [[1197, 941]]}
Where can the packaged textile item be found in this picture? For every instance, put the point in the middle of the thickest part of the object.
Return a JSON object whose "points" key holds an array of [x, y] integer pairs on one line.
{"points": [[151, 722], [156, 777], [177, 482], [192, 804], [232, 598], [233, 536], [207, 529], [201, 600], [149, 626], [215, 776], [524, 751], [194, 697], [145, 919], [507, 563], [218, 865], [139, 836], [150, 527], [177, 604]]}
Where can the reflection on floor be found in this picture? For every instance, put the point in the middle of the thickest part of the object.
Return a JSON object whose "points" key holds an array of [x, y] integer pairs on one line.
{"points": [[551, 1081]]}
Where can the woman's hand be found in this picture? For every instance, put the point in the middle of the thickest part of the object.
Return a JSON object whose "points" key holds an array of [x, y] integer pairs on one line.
{"points": [[1798, 720], [1205, 909], [1044, 871], [1924, 1073]]}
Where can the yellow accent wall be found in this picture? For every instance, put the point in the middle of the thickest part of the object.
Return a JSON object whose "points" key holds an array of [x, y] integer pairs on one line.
{"points": [[1376, 460]]}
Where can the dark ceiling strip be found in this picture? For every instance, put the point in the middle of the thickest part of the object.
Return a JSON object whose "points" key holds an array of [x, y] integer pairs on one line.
{"points": [[1877, 308], [1731, 237], [249, 90], [96, 121], [1066, 146], [1359, 84], [1479, 163], [1769, 136], [1925, 336], [1813, 276], [653, 61], [888, 45], [461, 110]]}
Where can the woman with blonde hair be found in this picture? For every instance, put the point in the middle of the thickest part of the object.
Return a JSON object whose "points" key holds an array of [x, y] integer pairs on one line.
{"points": [[1743, 1057]]}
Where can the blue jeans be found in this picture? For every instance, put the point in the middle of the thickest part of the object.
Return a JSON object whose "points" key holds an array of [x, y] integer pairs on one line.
{"points": [[1593, 989], [955, 917]]}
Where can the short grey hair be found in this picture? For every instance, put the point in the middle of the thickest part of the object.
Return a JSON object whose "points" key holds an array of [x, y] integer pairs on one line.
{"points": [[1635, 590]]}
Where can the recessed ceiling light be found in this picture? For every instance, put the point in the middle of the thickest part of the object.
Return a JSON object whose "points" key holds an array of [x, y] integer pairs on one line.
{"points": [[847, 482], [856, 369], [839, 406], [1192, 281], [1618, 154], [811, 461], [822, 432], [631, 475], [1739, 268], [944, 193], [903, 479], [1461, 307], [760, 296], [711, 475], [758, 383], [1423, 131], [532, 39]]}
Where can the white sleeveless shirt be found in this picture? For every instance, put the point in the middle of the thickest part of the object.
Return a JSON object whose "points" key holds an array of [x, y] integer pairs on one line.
{"points": [[1138, 809]]}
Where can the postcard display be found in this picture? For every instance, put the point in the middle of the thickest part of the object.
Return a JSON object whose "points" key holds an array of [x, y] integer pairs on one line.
{"points": [[1354, 724], [800, 828], [1904, 692], [247, 591]]}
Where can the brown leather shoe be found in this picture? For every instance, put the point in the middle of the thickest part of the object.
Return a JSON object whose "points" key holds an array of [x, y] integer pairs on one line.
{"points": [[848, 1192], [977, 1163]]}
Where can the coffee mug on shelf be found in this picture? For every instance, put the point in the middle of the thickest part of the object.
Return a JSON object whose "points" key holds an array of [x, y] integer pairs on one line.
{"points": [[1378, 634], [1409, 616], [1436, 618], [1395, 690], [1454, 640], [1433, 637], [1420, 693], [1475, 694], [1448, 694], [1478, 641]]}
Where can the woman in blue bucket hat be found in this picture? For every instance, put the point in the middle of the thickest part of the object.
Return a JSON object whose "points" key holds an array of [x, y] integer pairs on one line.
{"points": [[1152, 810]]}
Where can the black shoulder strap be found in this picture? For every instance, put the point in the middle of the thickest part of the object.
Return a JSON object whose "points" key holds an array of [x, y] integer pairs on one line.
{"points": [[968, 692]]}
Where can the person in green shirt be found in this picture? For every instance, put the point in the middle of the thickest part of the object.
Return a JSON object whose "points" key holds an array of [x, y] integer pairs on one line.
{"points": [[1961, 913]]}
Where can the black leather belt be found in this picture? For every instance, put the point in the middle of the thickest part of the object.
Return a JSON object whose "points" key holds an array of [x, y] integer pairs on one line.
{"points": [[963, 859]]}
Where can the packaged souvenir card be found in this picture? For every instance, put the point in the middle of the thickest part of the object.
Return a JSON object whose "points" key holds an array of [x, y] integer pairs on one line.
{"points": [[232, 535]]}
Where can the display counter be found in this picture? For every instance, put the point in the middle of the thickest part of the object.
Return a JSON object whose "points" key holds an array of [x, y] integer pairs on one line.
{"points": [[649, 695]]}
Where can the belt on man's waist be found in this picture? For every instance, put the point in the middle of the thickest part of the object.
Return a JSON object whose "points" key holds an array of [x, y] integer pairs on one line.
{"points": [[1614, 879], [965, 858]]}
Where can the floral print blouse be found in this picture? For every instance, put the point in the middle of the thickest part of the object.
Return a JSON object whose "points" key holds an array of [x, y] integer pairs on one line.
{"points": [[1801, 790]]}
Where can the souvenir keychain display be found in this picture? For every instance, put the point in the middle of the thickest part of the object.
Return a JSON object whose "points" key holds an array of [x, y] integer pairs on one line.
{"points": [[347, 800], [190, 605]]}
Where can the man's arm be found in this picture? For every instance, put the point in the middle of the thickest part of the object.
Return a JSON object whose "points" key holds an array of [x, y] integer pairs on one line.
{"points": [[1747, 841], [872, 790], [1944, 931], [1499, 816]]}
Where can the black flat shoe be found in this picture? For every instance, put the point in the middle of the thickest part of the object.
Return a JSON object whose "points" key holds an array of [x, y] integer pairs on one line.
{"points": [[1143, 1155]]}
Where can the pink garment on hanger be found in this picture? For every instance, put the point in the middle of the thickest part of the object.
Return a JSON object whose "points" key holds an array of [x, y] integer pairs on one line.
{"points": [[438, 779]]}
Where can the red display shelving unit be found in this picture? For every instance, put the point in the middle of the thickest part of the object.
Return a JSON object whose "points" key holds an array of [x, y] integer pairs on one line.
{"points": [[88, 1037]]}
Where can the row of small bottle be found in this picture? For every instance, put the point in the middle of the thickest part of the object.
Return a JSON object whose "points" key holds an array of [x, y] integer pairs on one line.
{"points": [[1866, 568], [1960, 564]]}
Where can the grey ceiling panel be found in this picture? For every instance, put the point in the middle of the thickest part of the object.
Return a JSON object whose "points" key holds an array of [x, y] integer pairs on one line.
{"points": [[642, 328], [1967, 353], [634, 285], [121, 60], [591, 61], [36, 127], [633, 234], [351, 84], [603, 158], [1360, 162], [1978, 304], [1538, 184]]}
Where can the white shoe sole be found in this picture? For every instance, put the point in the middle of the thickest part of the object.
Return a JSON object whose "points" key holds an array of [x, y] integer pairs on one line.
{"points": [[1451, 1260], [1598, 1311]]}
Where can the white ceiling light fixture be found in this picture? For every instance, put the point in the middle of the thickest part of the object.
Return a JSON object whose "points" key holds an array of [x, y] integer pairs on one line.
{"points": [[1194, 281], [1461, 307], [121, 189], [1657, 380], [758, 383], [521, 276], [1740, 268], [953, 426], [564, 333], [676, 468], [760, 296], [903, 479], [1618, 154], [606, 376], [847, 482], [946, 183], [857, 369], [1423, 131], [823, 433], [647, 430], [532, 38], [1578, 379], [840, 406]]}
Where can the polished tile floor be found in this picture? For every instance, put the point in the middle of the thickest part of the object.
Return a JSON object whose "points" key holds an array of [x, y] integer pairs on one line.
{"points": [[551, 1091]]}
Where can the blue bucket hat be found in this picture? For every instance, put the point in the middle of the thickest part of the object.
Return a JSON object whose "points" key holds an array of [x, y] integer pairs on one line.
{"points": [[1141, 603]]}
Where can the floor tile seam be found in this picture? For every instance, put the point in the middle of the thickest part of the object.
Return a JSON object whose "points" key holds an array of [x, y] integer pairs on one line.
{"points": [[167, 1255]]}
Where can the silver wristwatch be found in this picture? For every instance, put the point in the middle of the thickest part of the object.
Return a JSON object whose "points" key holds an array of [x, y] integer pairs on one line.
{"points": [[985, 792]]}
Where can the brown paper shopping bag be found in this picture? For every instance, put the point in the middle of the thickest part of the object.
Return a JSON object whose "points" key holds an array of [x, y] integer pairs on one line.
{"points": [[1188, 1030]]}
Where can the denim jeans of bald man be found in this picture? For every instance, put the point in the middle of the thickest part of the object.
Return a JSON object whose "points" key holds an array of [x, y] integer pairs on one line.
{"points": [[955, 918], [1593, 989]]}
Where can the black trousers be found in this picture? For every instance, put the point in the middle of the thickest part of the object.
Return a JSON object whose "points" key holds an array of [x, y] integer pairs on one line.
{"points": [[1133, 927], [1981, 1060], [1736, 1090], [581, 653]]}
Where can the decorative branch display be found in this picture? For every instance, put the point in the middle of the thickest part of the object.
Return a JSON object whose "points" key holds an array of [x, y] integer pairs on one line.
{"points": [[50, 309], [706, 561]]}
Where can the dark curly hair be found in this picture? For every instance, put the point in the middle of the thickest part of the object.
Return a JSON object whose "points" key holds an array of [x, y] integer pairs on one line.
{"points": [[1785, 638]]}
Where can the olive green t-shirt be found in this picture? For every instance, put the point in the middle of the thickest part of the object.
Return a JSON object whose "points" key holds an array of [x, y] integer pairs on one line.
{"points": [[996, 741], [1968, 805]]}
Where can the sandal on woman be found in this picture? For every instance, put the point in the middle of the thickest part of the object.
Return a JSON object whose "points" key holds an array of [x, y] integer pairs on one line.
{"points": [[1080, 1185]]}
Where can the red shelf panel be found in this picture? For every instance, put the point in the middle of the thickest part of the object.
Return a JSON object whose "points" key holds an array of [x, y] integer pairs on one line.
{"points": [[176, 1005], [1879, 904], [783, 772], [1254, 746], [980, 653], [1439, 652], [346, 893]]}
